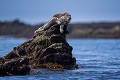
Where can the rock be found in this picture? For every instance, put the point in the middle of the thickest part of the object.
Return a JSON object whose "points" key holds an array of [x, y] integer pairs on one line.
{"points": [[46, 49], [15, 67], [57, 39]]}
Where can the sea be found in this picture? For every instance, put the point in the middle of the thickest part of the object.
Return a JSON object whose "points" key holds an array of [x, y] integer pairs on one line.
{"points": [[97, 59]]}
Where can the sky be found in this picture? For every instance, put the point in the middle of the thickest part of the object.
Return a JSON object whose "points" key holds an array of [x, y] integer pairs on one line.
{"points": [[36, 11]]}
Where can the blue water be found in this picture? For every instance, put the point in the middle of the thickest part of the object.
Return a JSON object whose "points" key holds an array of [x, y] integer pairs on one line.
{"points": [[98, 59]]}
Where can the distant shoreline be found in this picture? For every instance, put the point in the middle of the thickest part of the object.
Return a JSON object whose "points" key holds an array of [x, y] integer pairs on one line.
{"points": [[106, 30], [15, 37]]}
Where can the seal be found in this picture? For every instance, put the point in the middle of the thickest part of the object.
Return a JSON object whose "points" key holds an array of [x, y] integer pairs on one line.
{"points": [[61, 19]]}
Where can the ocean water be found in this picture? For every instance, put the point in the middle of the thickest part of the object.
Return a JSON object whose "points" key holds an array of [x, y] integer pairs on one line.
{"points": [[98, 59]]}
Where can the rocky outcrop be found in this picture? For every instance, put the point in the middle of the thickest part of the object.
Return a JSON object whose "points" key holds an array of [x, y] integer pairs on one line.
{"points": [[46, 49]]}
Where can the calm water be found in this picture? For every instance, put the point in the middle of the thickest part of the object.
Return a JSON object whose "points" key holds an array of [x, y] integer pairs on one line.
{"points": [[98, 59]]}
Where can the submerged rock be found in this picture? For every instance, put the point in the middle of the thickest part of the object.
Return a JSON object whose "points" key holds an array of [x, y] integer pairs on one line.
{"points": [[46, 49]]}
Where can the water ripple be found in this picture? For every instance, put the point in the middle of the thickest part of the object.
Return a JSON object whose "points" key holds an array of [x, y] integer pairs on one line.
{"points": [[98, 59]]}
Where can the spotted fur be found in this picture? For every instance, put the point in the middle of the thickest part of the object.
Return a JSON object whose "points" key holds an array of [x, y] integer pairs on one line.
{"points": [[61, 19]]}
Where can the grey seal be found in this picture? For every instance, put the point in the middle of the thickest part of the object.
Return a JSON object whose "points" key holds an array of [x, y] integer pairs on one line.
{"points": [[61, 19]]}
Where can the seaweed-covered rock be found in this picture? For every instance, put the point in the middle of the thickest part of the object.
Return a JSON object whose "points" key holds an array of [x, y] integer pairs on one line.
{"points": [[48, 48]]}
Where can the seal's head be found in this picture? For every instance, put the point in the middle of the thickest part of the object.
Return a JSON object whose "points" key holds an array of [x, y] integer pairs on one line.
{"points": [[63, 20]]}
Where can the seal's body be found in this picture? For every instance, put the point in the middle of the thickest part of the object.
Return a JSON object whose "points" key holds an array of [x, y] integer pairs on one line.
{"points": [[48, 25], [61, 19]]}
